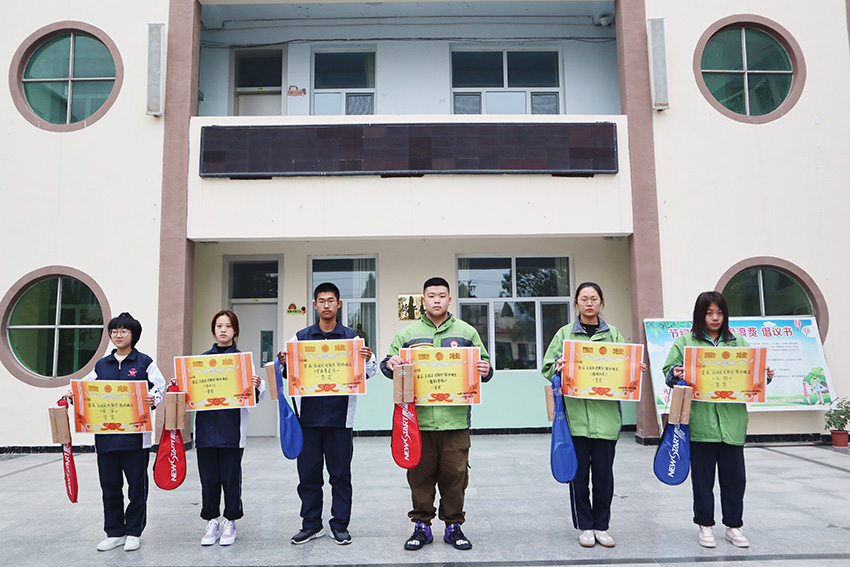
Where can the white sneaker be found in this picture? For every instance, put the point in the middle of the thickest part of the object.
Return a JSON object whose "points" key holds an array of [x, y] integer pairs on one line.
{"points": [[603, 538], [587, 539], [111, 543], [228, 533], [706, 536], [737, 537], [211, 533], [132, 543]]}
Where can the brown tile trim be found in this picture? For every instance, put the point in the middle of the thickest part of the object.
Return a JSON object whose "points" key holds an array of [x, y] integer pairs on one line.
{"points": [[777, 32], [821, 311], [644, 243], [33, 42], [176, 251], [8, 359]]}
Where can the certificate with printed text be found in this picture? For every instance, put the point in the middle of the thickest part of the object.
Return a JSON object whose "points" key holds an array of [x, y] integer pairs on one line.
{"points": [[216, 381], [106, 406], [445, 376], [605, 371], [720, 374], [325, 368]]}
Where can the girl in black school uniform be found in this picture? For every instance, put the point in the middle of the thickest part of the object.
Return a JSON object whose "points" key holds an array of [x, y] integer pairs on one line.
{"points": [[219, 443]]}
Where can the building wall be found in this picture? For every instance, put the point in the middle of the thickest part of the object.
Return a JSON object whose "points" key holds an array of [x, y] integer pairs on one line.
{"points": [[87, 199], [728, 191], [512, 399]]}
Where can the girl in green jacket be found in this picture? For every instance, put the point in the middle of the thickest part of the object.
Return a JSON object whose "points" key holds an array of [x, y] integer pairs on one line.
{"points": [[594, 424], [718, 430]]}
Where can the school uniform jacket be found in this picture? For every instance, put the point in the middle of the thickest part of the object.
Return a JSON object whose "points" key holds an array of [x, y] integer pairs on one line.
{"points": [[224, 428], [595, 419], [329, 411], [451, 333], [136, 366], [710, 422]]}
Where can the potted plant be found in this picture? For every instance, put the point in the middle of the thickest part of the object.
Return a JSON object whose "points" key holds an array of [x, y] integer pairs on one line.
{"points": [[837, 417]]}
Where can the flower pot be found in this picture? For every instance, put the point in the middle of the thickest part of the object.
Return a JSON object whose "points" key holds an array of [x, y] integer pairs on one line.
{"points": [[839, 438]]}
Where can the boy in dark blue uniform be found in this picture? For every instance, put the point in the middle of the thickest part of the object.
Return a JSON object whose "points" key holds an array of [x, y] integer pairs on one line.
{"points": [[125, 455], [327, 423]]}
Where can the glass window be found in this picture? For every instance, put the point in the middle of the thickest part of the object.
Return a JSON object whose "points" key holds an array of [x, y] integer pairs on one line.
{"points": [[501, 82], [357, 280], [516, 304], [68, 78], [254, 280], [344, 83], [765, 292], [259, 69], [747, 70], [56, 326]]}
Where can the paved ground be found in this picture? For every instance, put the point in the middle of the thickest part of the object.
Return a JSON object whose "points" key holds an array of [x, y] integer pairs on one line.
{"points": [[797, 512]]}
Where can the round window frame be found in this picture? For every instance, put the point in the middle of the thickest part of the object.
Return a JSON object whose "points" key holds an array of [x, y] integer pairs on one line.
{"points": [[804, 280], [781, 36], [10, 300], [28, 48]]}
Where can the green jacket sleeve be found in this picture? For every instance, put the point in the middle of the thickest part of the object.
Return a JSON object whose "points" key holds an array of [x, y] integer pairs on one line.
{"points": [[675, 358], [556, 349]]}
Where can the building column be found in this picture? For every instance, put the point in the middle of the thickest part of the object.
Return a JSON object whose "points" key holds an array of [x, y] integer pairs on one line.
{"points": [[644, 243]]}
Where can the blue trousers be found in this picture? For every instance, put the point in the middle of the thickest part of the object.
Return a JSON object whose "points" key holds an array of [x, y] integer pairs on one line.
{"points": [[728, 461], [112, 468], [220, 468], [333, 446], [595, 460]]}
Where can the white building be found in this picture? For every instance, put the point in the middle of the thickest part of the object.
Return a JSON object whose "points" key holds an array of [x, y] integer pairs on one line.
{"points": [[510, 147]]}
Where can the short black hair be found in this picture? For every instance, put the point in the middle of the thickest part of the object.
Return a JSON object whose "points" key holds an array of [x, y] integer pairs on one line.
{"points": [[234, 322], [703, 302], [593, 285], [324, 288], [126, 321], [436, 282]]}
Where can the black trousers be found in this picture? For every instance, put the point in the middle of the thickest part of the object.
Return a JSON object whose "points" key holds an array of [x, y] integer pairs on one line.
{"points": [[595, 459], [112, 468], [333, 446], [728, 461], [220, 468]]}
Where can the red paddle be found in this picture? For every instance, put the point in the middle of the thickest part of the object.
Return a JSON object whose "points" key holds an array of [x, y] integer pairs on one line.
{"points": [[169, 469], [406, 442]]}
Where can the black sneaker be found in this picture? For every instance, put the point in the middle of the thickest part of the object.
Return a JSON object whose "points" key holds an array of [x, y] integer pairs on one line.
{"points": [[455, 537], [421, 536], [306, 535], [340, 537]]}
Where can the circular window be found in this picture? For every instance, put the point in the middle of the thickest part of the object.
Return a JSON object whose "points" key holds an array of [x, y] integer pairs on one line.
{"points": [[767, 286], [65, 77], [749, 68], [53, 327]]}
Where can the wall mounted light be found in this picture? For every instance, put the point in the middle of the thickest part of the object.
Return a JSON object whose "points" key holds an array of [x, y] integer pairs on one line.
{"points": [[155, 97], [657, 43]]}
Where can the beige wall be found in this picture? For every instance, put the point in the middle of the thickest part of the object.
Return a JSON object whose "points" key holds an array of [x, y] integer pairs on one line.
{"points": [[372, 207], [87, 199], [728, 191]]}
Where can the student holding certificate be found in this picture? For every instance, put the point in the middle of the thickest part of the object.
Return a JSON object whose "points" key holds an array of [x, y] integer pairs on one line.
{"points": [[594, 424], [327, 423], [718, 430]]}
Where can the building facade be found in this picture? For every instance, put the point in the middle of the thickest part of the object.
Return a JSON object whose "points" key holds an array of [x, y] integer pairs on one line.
{"points": [[514, 148]]}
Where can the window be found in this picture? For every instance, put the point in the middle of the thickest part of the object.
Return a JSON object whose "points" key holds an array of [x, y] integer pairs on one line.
{"points": [[516, 305], [53, 323], [749, 68], [259, 80], [344, 83], [505, 82], [356, 278], [764, 292], [254, 280], [66, 76]]}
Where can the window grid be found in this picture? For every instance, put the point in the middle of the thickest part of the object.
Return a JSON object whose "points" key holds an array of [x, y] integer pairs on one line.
{"points": [[343, 314], [56, 327], [348, 96], [515, 298], [71, 79]]}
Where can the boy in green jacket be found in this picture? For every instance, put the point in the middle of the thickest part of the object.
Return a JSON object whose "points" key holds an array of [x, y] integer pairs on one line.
{"points": [[444, 429]]}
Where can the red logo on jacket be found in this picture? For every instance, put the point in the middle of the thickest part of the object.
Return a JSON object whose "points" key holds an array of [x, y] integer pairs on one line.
{"points": [[132, 372]]}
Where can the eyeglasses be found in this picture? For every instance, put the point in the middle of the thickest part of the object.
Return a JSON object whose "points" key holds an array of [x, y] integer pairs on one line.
{"points": [[588, 300], [119, 332], [325, 301]]}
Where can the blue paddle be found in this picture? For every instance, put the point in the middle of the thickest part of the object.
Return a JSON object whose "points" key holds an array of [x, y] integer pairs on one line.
{"points": [[563, 453], [291, 438]]}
